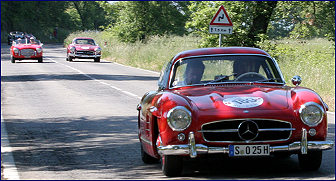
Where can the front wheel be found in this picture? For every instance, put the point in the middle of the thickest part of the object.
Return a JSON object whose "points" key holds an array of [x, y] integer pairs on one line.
{"points": [[147, 158], [310, 161], [97, 59], [40, 60], [70, 59], [13, 59], [172, 165]]}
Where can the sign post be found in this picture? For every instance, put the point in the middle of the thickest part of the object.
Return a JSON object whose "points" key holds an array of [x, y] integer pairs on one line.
{"points": [[220, 24]]}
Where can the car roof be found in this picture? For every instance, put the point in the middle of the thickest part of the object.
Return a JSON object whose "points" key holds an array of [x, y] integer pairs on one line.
{"points": [[219, 50], [83, 38]]}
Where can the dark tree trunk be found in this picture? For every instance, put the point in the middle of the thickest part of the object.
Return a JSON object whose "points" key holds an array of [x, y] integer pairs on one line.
{"points": [[263, 14]]}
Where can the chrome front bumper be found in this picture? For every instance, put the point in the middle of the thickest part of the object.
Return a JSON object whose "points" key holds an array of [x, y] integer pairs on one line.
{"points": [[193, 149], [84, 56]]}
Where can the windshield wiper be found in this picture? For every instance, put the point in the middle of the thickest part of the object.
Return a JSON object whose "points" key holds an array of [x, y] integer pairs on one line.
{"points": [[267, 80], [221, 78]]}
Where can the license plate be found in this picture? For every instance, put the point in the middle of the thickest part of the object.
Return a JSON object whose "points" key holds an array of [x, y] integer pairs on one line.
{"points": [[249, 150]]}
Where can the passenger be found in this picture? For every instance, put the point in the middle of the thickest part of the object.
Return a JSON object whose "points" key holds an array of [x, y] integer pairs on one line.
{"points": [[32, 41], [194, 73]]}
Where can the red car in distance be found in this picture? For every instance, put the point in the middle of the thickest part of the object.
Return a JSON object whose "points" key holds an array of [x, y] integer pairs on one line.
{"points": [[231, 101], [26, 49], [83, 48]]}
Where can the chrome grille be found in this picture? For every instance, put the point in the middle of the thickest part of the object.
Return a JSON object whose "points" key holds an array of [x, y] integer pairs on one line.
{"points": [[28, 52], [85, 52], [227, 130]]}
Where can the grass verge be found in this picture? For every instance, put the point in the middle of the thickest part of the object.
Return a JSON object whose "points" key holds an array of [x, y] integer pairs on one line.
{"points": [[313, 60]]}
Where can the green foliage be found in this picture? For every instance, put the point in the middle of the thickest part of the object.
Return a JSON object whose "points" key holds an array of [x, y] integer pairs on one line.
{"points": [[313, 60], [41, 17], [138, 20], [303, 19], [247, 18]]}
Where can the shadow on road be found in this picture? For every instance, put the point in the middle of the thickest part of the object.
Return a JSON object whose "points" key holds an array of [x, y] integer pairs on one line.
{"points": [[54, 77], [110, 144]]}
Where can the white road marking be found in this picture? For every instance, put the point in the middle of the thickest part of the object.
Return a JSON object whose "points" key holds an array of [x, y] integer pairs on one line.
{"points": [[9, 169], [101, 82], [150, 71]]}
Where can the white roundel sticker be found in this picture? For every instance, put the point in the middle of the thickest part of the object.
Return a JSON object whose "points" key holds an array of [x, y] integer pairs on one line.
{"points": [[243, 102]]}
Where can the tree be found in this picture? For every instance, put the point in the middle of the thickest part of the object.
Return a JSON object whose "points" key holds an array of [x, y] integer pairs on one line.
{"points": [[91, 14], [250, 21], [140, 19], [308, 19]]}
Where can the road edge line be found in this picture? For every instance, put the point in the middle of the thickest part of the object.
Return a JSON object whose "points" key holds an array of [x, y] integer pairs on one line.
{"points": [[7, 161], [137, 68]]}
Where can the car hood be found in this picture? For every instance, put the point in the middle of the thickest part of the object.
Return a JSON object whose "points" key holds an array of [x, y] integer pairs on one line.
{"points": [[233, 98], [24, 46], [86, 47]]}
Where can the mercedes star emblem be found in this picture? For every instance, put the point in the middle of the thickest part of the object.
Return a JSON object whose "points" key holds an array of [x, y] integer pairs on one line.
{"points": [[248, 130]]}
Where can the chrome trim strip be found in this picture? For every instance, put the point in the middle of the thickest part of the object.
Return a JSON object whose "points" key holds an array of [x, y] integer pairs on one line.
{"points": [[236, 130], [217, 55], [152, 109], [292, 129], [304, 144], [278, 129], [192, 145], [202, 149], [219, 131], [146, 140]]}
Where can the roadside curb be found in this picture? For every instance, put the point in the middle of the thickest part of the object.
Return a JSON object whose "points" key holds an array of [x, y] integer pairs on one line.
{"points": [[7, 161]]}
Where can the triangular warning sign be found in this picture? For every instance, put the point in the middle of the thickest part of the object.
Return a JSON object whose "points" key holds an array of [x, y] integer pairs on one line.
{"points": [[221, 18]]}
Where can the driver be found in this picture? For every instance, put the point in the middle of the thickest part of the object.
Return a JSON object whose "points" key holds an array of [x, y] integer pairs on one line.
{"points": [[250, 69], [243, 66], [194, 72], [32, 40]]}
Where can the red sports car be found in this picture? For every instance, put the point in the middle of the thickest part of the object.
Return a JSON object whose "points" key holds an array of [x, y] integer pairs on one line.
{"points": [[231, 101], [25, 49], [83, 48]]}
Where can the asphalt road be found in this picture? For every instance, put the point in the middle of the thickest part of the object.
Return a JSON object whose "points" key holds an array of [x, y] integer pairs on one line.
{"points": [[78, 120]]}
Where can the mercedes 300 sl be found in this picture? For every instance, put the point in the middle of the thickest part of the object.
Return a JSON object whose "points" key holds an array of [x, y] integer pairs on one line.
{"points": [[231, 101], [83, 48]]}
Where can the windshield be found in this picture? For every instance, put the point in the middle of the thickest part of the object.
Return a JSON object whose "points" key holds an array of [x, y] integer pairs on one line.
{"points": [[85, 41], [27, 41], [227, 69]]}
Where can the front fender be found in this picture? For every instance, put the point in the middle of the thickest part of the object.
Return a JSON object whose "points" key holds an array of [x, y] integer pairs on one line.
{"points": [[300, 96]]}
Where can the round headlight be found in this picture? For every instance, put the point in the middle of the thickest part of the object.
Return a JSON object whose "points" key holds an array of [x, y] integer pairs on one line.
{"points": [[38, 50], [179, 118], [72, 49], [98, 50], [16, 50], [311, 113]]}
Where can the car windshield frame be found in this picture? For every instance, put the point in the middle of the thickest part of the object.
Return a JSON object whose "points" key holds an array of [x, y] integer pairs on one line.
{"points": [[26, 42], [278, 78], [87, 39]]}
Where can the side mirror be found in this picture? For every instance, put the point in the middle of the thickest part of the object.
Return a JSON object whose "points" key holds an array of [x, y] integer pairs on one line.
{"points": [[296, 80]]}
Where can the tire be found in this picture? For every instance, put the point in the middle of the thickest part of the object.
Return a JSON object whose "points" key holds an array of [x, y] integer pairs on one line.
{"points": [[70, 59], [147, 158], [40, 60], [12, 59], [311, 161], [97, 59], [172, 165]]}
